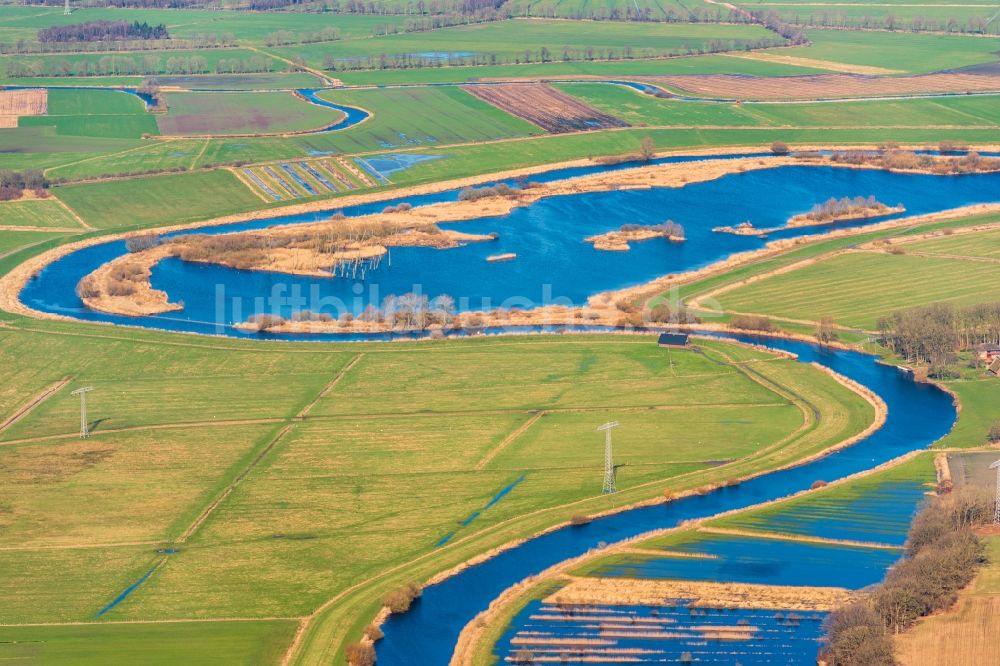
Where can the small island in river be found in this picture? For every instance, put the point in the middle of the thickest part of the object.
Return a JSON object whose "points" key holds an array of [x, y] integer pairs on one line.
{"points": [[618, 241]]}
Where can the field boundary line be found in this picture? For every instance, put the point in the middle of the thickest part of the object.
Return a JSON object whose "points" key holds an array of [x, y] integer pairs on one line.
{"points": [[76, 216], [330, 386], [508, 440], [207, 511], [803, 538], [30, 406], [200, 154], [153, 426], [81, 546], [166, 621], [97, 157]]}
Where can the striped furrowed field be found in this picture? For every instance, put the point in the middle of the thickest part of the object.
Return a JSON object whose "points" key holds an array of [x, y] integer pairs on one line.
{"points": [[304, 178], [984, 244], [857, 288], [36, 213], [159, 199], [639, 108]]}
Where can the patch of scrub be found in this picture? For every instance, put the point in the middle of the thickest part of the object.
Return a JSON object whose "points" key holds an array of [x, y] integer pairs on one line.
{"points": [[741, 559], [503, 492], [674, 633], [389, 164]]}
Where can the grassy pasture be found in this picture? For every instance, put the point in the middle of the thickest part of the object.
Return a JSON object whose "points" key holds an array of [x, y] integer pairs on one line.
{"points": [[153, 200], [70, 492], [409, 444], [141, 157], [12, 241], [638, 108], [704, 64], [509, 39], [54, 65], [600, 9], [980, 411], [985, 244], [246, 27], [244, 643], [408, 117], [117, 127], [859, 287], [908, 52], [242, 113], [36, 213]]}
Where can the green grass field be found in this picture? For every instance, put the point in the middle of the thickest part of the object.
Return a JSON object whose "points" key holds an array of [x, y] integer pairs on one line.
{"points": [[906, 52], [638, 108], [984, 244], [13, 241], [177, 422], [36, 213], [859, 287], [244, 643], [508, 40], [158, 199], [242, 113]]}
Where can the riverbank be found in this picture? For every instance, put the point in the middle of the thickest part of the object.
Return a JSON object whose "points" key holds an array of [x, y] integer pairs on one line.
{"points": [[12, 284]]}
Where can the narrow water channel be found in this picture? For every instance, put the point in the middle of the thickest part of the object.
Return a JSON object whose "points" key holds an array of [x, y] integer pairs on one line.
{"points": [[918, 415]]}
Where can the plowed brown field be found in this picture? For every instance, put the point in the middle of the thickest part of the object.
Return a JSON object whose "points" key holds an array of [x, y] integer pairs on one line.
{"points": [[550, 109], [17, 103], [824, 86]]}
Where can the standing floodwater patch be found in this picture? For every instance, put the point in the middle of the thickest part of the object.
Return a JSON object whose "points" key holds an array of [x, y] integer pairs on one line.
{"points": [[503, 492], [674, 633], [728, 558], [128, 590]]}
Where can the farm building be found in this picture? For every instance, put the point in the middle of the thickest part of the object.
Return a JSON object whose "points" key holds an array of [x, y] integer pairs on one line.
{"points": [[673, 340], [988, 351], [995, 367]]}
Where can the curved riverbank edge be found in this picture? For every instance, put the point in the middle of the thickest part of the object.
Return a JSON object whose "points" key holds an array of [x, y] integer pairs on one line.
{"points": [[770, 249], [478, 624], [469, 642], [13, 282], [304, 262]]}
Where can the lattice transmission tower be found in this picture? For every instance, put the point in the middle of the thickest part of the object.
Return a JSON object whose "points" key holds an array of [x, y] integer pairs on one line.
{"points": [[609, 465], [82, 392]]}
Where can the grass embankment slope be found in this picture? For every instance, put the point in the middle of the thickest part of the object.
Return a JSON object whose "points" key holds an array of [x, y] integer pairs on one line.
{"points": [[402, 443], [942, 261]]}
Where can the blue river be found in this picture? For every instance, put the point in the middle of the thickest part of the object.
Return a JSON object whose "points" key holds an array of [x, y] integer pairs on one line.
{"points": [[918, 415], [553, 266]]}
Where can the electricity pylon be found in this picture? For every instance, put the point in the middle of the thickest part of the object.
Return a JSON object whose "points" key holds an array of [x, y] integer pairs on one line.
{"points": [[82, 392], [609, 465]]}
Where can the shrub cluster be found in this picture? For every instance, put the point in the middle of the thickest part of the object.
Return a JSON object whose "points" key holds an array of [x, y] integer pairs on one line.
{"points": [[498, 190], [399, 601], [942, 556], [14, 183], [752, 323], [102, 31]]}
